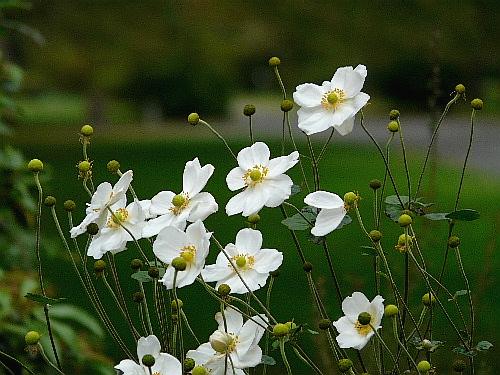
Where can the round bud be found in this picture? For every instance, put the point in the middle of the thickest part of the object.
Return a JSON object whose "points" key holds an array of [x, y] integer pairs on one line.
{"points": [[459, 365], [136, 264], [138, 297], [286, 105], [307, 266], [84, 166], [391, 310], [188, 364], [324, 324], [148, 360], [113, 166], [280, 330], [49, 201], [453, 242], [460, 89], [393, 126], [249, 110], [193, 118], [199, 370], [375, 184], [179, 263], [291, 325], [99, 266], [224, 289], [275, 273], [423, 367], [153, 272], [345, 365], [274, 61], [35, 165], [404, 239], [375, 235], [350, 198], [178, 200], [405, 220], [477, 104], [364, 318], [253, 218], [92, 229], [426, 344], [176, 303], [394, 114], [32, 338], [87, 130], [428, 299], [69, 205]]}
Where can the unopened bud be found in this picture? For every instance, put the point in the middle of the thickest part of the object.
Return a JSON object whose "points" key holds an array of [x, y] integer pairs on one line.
{"points": [[32, 338], [35, 165], [423, 367], [286, 105], [188, 364], [113, 166], [274, 61], [460, 89], [345, 365], [453, 242], [375, 184], [136, 264], [391, 310], [49, 201], [393, 126], [224, 289], [375, 235], [199, 370], [99, 266], [92, 229], [138, 297], [153, 272], [69, 205], [84, 166], [176, 303], [193, 119], [324, 324], [280, 330], [307, 266], [405, 220], [394, 114], [428, 299], [477, 104], [459, 365], [253, 218], [249, 110], [87, 130]]}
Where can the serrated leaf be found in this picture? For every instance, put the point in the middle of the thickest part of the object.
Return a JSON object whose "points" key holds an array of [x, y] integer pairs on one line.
{"points": [[484, 345], [141, 276], [295, 189], [298, 222], [437, 216], [267, 360], [464, 215], [43, 300]]}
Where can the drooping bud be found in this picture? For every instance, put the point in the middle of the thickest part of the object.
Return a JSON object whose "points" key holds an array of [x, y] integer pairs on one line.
{"points": [[477, 104], [193, 118], [224, 289], [375, 184], [32, 338], [423, 367], [87, 130], [345, 365], [274, 61], [69, 205], [35, 165], [253, 218], [136, 264], [49, 201], [391, 311], [179, 263], [148, 360], [113, 166], [249, 110], [286, 105], [280, 330], [92, 229], [364, 318]]}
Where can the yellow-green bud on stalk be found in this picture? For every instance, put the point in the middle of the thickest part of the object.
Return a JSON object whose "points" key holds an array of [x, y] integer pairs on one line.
{"points": [[364, 318], [224, 289], [345, 364], [87, 130], [193, 118], [275, 273], [69, 205], [286, 105], [280, 330], [391, 311], [199, 370], [188, 364], [459, 365], [148, 360], [394, 114], [460, 89], [453, 242], [32, 338], [253, 218], [428, 299], [274, 61], [307, 266], [138, 297], [405, 220], [393, 126], [350, 198], [99, 266], [153, 272], [325, 324], [92, 229], [249, 110], [176, 303], [35, 165], [113, 166], [423, 367], [477, 104], [84, 166], [178, 200], [375, 235], [136, 264], [291, 325], [179, 263], [49, 201], [375, 184]]}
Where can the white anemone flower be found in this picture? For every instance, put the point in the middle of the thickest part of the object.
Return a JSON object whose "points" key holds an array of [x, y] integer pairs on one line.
{"points": [[192, 245], [264, 180], [104, 196], [353, 334], [332, 104], [253, 263], [189, 205], [165, 364], [239, 343], [114, 235], [332, 211]]}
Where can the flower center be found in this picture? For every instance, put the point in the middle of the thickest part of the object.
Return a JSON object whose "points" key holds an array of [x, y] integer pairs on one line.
{"points": [[243, 261], [179, 202], [363, 329], [188, 253], [118, 217], [255, 175], [332, 99]]}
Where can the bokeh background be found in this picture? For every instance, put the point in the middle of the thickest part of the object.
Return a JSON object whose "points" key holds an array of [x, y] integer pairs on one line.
{"points": [[134, 70]]}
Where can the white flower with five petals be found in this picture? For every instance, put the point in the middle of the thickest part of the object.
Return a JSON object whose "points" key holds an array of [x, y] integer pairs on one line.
{"points": [[332, 211], [334, 103]]}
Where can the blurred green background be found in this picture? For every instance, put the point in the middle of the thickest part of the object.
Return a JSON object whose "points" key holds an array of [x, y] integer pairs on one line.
{"points": [[135, 69]]}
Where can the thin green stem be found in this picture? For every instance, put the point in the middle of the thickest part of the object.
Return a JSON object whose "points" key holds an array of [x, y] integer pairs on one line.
{"points": [[304, 357], [384, 183], [17, 361], [290, 133], [283, 355], [218, 135], [405, 160], [394, 360], [314, 164], [47, 360], [471, 138], [179, 321], [403, 347], [325, 146], [146, 309], [469, 294], [251, 129]]}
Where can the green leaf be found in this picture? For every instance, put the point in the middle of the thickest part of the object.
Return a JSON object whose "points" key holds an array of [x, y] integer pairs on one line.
{"points": [[295, 189], [267, 360], [141, 276], [461, 350], [437, 216], [393, 211], [464, 215], [345, 221], [483, 345], [297, 221], [44, 300], [457, 294], [393, 200]]}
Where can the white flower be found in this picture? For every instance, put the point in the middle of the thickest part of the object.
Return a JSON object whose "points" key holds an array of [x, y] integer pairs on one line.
{"points": [[352, 334], [264, 180], [113, 236], [331, 214], [334, 103], [239, 342], [104, 196], [191, 245], [189, 205], [253, 263], [165, 364]]}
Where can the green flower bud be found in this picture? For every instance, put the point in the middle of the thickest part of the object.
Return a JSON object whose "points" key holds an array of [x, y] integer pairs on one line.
{"points": [[275, 273], [224, 289], [428, 299], [153, 272], [307, 266], [345, 365], [87, 130], [423, 367], [199, 370], [426, 344], [375, 184], [394, 114], [188, 364], [405, 220], [148, 360], [193, 119], [249, 110], [92, 229], [460, 89], [69, 205], [274, 61], [136, 264], [99, 266], [403, 239], [280, 330], [391, 311], [350, 198], [364, 318], [253, 218], [459, 365], [453, 242], [84, 166], [325, 324], [32, 338], [138, 297], [176, 303], [35, 165], [286, 105], [477, 104], [49, 201], [179, 263], [393, 126], [113, 166], [375, 235]]}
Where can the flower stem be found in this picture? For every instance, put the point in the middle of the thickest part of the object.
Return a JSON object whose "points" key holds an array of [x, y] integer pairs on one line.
{"points": [[283, 355], [396, 336], [47, 360], [218, 135], [17, 361]]}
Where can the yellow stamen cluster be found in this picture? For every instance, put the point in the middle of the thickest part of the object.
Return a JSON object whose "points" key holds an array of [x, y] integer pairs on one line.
{"points": [[255, 175], [363, 330], [118, 217], [179, 202], [188, 253], [332, 99]]}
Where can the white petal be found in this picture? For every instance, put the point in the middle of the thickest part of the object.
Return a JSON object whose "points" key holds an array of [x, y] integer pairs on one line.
{"points": [[237, 203], [235, 179], [251, 358], [255, 199], [162, 202], [101, 197], [327, 221], [312, 121], [340, 77], [203, 205], [169, 243], [234, 321], [354, 81], [268, 260], [353, 305], [129, 367], [359, 101], [121, 186], [167, 364], [346, 127], [148, 345], [352, 340], [308, 95], [214, 272], [195, 177], [248, 240], [257, 154], [154, 226], [281, 164], [344, 325], [323, 199], [278, 189]]}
